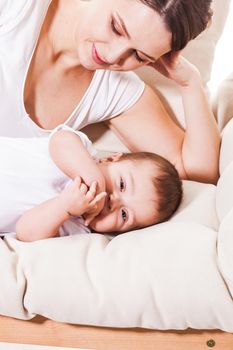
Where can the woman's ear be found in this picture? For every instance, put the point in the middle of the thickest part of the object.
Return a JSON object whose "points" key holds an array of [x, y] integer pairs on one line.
{"points": [[114, 157]]}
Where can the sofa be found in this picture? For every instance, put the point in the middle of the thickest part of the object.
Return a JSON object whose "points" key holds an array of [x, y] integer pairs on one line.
{"points": [[171, 276]]}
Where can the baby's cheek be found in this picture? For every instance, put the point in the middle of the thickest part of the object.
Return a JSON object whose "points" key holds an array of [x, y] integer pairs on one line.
{"points": [[104, 223]]}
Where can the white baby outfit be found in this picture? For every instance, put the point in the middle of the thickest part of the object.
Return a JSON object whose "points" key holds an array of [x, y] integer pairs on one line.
{"points": [[28, 176], [109, 94]]}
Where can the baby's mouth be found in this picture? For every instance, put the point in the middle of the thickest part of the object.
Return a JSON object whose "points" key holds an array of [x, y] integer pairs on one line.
{"points": [[106, 207], [107, 203]]}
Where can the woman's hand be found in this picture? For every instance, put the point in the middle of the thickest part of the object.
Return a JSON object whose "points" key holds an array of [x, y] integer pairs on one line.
{"points": [[175, 67], [77, 199]]}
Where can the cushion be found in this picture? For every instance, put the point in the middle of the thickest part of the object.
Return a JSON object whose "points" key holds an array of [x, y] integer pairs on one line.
{"points": [[164, 277], [224, 206], [225, 250], [222, 102], [226, 152], [198, 196]]}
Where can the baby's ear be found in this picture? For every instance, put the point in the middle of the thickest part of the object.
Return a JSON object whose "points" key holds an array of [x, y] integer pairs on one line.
{"points": [[114, 157]]}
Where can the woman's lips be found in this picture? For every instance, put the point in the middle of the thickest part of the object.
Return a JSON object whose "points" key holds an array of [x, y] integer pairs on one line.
{"points": [[96, 57]]}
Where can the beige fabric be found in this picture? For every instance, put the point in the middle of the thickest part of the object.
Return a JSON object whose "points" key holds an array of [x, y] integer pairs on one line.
{"points": [[224, 205], [222, 102], [226, 153], [196, 197]]}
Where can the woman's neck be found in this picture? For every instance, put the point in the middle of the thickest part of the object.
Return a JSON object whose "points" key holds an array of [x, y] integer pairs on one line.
{"points": [[58, 32]]}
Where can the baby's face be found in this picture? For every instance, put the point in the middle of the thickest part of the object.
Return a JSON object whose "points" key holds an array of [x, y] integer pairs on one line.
{"points": [[131, 199]]}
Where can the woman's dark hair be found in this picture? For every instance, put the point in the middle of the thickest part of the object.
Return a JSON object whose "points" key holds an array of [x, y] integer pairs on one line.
{"points": [[185, 19]]}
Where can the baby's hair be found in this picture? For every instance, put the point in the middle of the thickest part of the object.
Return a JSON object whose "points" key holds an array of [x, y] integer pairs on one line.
{"points": [[166, 182]]}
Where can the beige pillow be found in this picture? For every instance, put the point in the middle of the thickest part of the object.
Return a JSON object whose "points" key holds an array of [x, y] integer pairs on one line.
{"points": [[224, 202], [226, 151], [222, 102], [224, 207], [164, 277]]}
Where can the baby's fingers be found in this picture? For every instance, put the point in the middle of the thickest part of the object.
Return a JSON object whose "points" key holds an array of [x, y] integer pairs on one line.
{"points": [[92, 191], [83, 188], [93, 212], [88, 219], [77, 181], [98, 198]]}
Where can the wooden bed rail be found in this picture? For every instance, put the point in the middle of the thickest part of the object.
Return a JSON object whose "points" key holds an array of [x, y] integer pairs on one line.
{"points": [[41, 331]]}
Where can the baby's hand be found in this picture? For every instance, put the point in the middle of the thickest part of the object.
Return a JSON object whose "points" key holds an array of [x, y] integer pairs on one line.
{"points": [[174, 66], [78, 199]]}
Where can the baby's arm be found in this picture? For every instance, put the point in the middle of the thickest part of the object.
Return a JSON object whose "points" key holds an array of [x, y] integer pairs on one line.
{"points": [[45, 219], [71, 156]]}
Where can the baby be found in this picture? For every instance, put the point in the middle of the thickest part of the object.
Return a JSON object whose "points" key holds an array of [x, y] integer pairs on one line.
{"points": [[53, 186]]}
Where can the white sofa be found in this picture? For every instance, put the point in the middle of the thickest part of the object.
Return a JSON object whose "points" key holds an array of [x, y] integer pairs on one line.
{"points": [[173, 275]]}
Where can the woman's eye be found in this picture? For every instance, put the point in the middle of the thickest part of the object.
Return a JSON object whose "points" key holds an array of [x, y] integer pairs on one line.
{"points": [[138, 58], [123, 214], [122, 185], [114, 29]]}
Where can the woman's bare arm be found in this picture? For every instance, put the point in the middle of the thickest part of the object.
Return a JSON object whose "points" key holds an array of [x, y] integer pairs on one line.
{"points": [[147, 126]]}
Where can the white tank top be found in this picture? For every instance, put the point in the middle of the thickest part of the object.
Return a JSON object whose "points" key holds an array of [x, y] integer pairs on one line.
{"points": [[109, 94]]}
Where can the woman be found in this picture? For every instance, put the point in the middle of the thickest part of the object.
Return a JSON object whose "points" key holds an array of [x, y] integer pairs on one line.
{"points": [[60, 62]]}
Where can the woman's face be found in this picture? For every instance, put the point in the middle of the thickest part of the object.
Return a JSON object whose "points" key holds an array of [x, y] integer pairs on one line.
{"points": [[119, 35]]}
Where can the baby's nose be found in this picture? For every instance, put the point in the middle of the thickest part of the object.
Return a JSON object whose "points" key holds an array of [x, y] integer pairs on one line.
{"points": [[114, 202]]}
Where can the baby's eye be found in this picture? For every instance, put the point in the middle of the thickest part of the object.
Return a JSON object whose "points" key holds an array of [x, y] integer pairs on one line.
{"points": [[124, 214], [122, 185]]}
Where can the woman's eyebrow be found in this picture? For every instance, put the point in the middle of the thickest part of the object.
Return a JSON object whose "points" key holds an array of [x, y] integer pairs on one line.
{"points": [[129, 37]]}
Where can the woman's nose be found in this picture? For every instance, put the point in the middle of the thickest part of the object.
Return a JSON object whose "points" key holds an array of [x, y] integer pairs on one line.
{"points": [[117, 54]]}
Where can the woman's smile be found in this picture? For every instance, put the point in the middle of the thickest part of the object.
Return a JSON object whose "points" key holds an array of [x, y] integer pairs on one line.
{"points": [[96, 56]]}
